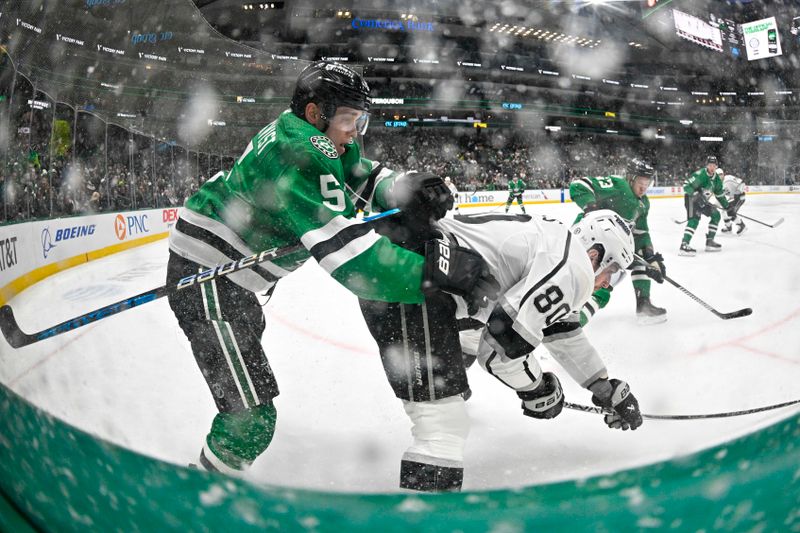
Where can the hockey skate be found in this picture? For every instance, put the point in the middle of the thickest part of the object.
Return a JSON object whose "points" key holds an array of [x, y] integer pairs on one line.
{"points": [[713, 246], [727, 228], [647, 313], [687, 250], [740, 228]]}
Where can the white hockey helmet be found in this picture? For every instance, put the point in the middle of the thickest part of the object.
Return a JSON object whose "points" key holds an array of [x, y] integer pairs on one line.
{"points": [[606, 232]]}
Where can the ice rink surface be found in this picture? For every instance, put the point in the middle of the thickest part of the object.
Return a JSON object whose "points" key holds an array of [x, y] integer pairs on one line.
{"points": [[131, 378]]}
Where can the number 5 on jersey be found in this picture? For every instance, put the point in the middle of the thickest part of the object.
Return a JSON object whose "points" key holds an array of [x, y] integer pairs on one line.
{"points": [[334, 196]]}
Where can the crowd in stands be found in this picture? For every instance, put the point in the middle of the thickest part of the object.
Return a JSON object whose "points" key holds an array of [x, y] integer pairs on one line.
{"points": [[487, 160], [35, 184]]}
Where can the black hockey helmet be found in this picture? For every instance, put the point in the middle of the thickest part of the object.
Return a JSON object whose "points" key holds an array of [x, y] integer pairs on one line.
{"points": [[329, 85], [638, 167], [711, 159]]}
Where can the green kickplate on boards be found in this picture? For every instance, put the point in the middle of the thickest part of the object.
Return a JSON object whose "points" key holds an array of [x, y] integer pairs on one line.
{"points": [[60, 478]]}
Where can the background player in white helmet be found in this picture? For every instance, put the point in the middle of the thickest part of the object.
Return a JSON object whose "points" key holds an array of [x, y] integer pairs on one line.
{"points": [[733, 188], [453, 191], [545, 272]]}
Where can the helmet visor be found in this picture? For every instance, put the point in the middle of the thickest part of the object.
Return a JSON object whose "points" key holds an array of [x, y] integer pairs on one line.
{"points": [[347, 119]]}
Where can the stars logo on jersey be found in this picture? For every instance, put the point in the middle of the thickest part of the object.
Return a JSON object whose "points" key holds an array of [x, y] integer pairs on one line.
{"points": [[324, 145]]}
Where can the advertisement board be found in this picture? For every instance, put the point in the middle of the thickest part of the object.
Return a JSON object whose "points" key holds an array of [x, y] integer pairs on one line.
{"points": [[32, 251], [761, 39]]}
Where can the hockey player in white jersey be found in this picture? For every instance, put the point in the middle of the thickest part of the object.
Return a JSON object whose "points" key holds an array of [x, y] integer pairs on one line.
{"points": [[546, 273], [734, 189]]}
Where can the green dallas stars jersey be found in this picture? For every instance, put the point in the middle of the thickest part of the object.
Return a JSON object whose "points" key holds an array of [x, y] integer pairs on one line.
{"points": [[614, 192], [700, 180], [516, 187], [290, 186]]}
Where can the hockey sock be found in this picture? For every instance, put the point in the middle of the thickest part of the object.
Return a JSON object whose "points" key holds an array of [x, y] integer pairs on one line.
{"points": [[641, 288], [238, 438]]}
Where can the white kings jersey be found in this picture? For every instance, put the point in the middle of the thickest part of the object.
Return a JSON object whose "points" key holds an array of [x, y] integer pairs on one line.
{"points": [[732, 186], [545, 277]]}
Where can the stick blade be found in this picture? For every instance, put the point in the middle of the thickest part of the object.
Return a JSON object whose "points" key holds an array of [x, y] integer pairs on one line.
{"points": [[736, 314], [8, 325], [778, 223]]}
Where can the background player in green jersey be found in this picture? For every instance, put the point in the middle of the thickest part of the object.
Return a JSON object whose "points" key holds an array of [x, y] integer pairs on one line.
{"points": [[299, 180], [697, 189], [627, 198], [516, 187]]}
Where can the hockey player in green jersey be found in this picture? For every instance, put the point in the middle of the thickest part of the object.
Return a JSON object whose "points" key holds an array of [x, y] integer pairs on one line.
{"points": [[516, 187], [627, 198], [697, 189], [299, 180]]}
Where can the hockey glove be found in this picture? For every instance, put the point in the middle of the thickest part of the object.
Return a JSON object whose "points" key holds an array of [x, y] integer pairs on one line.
{"points": [[702, 205], [546, 400], [622, 408], [655, 269], [422, 194], [460, 271]]}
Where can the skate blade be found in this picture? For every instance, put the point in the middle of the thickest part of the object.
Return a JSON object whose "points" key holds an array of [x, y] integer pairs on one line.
{"points": [[709, 249], [646, 320], [740, 233], [687, 254]]}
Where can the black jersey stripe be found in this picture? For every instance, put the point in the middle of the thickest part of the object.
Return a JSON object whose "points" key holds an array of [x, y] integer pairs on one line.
{"points": [[551, 273], [223, 246], [501, 328], [560, 328], [344, 237], [368, 189]]}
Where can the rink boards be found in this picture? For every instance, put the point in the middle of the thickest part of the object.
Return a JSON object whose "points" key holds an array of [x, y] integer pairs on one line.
{"points": [[61, 478], [56, 477]]}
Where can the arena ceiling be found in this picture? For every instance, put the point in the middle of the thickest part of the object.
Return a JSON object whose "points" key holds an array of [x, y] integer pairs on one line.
{"points": [[211, 72]]}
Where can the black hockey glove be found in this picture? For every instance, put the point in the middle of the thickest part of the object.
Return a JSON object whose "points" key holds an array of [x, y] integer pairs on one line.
{"points": [[655, 269], [460, 271], [421, 194], [702, 205], [615, 396], [545, 401]]}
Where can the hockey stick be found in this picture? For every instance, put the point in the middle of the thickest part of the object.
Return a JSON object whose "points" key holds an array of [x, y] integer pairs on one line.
{"points": [[601, 411], [724, 316], [775, 225], [18, 338], [675, 220]]}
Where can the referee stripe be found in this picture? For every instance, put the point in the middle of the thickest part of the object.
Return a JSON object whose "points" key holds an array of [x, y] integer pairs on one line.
{"points": [[551, 273]]}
